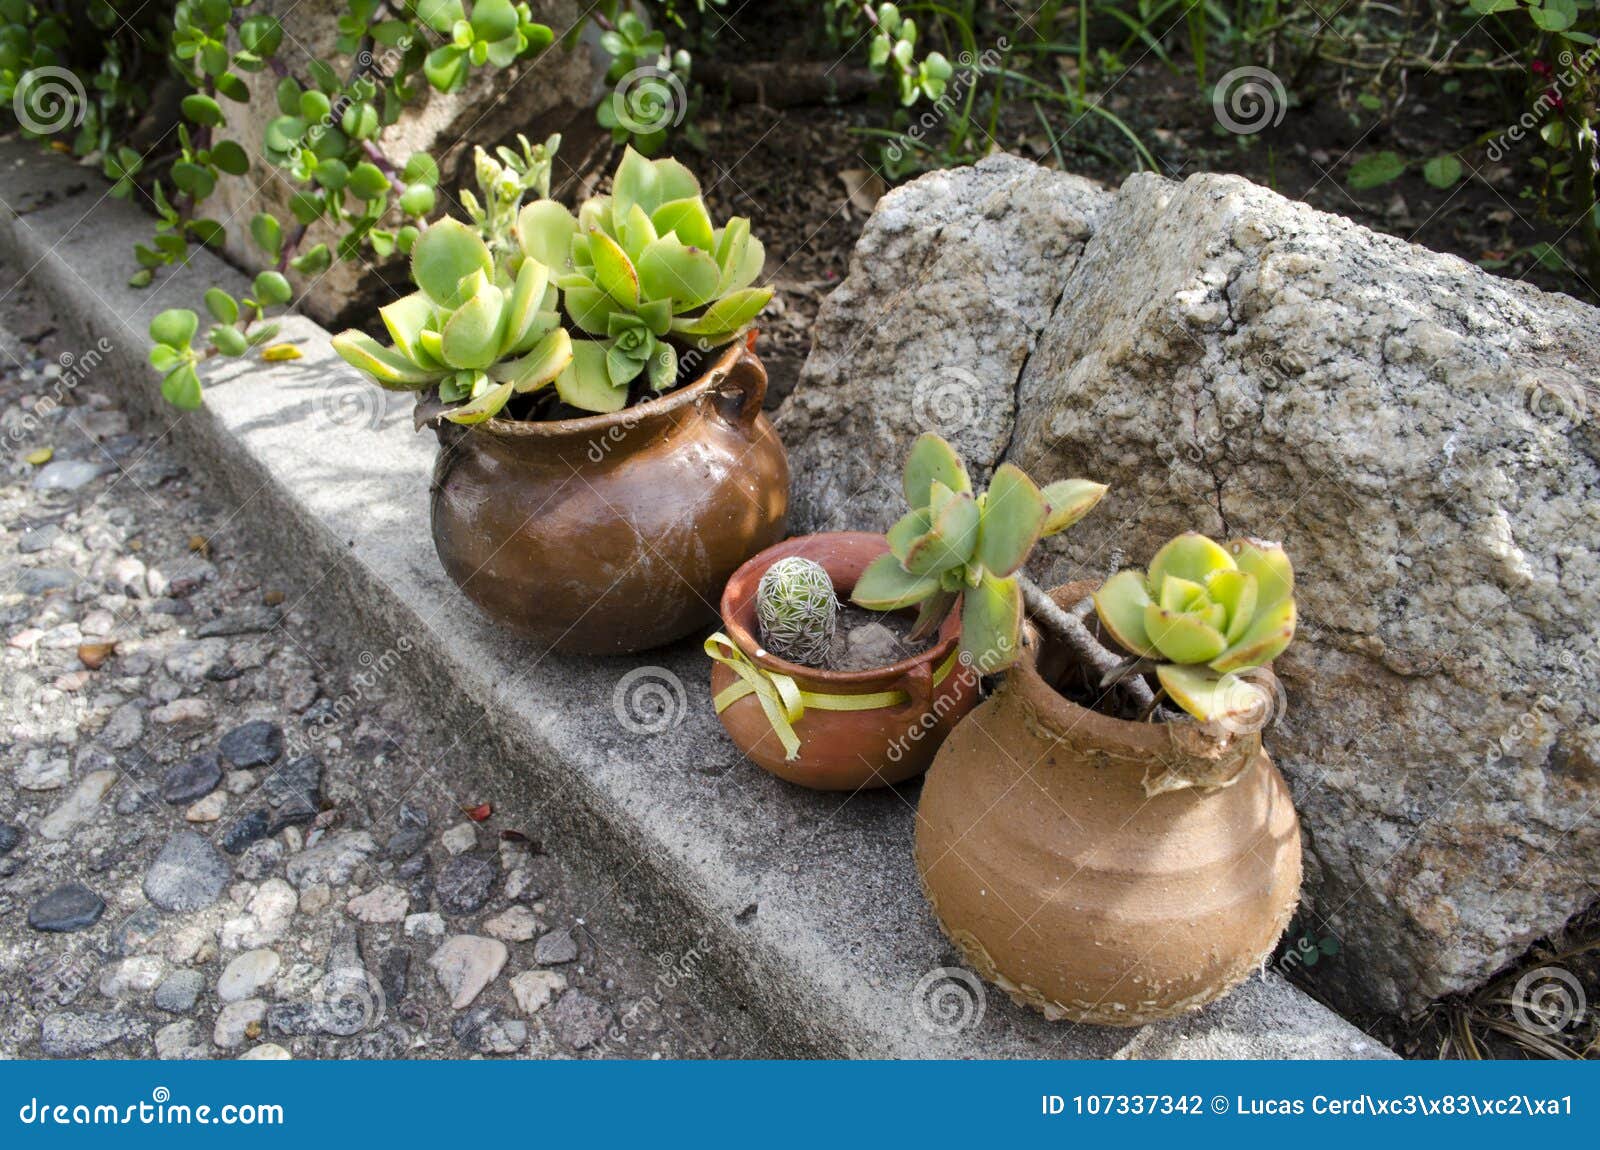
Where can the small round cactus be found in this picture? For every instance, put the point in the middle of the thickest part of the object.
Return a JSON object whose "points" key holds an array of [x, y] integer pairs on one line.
{"points": [[797, 609]]}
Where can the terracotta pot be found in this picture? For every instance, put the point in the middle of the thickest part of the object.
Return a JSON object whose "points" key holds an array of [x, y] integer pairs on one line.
{"points": [[843, 750], [613, 533], [1100, 870]]}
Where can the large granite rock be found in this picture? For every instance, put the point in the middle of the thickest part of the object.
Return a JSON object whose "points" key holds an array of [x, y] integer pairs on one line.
{"points": [[1415, 431], [553, 92], [897, 350]]}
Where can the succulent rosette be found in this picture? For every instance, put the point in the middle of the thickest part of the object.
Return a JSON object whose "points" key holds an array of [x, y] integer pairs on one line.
{"points": [[954, 545], [1210, 611]]}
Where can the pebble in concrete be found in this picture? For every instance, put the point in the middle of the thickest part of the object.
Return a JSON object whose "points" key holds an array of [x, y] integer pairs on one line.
{"points": [[179, 991], [237, 1022], [71, 906], [253, 744], [465, 964], [80, 806], [187, 875], [383, 904], [554, 948], [247, 974], [192, 779], [533, 989]]}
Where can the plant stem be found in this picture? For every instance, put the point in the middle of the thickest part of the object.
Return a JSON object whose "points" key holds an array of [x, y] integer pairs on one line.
{"points": [[1065, 627]]}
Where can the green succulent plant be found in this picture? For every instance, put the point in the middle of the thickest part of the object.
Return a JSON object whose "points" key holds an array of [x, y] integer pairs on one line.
{"points": [[1210, 611], [469, 329], [644, 269], [955, 546]]}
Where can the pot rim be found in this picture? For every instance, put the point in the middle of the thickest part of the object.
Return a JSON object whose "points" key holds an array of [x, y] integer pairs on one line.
{"points": [[1062, 714], [628, 417], [744, 638]]}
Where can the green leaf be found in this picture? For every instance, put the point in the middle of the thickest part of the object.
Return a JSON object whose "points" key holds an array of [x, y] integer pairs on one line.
{"points": [[932, 458], [222, 306], [208, 232], [446, 68], [1189, 556], [367, 181], [688, 219], [545, 230], [271, 287], [306, 207], [1442, 171], [174, 327], [493, 19], [229, 341], [586, 384], [887, 586], [1070, 500], [181, 388], [1120, 603], [991, 624], [1014, 512], [192, 178], [670, 270], [483, 408], [388, 367], [314, 261], [1374, 170], [614, 273], [446, 254], [231, 158], [202, 109], [1555, 15], [471, 337], [540, 366], [417, 200], [421, 168]]}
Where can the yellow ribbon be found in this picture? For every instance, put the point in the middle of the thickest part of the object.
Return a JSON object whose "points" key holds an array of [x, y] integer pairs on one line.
{"points": [[783, 700]]}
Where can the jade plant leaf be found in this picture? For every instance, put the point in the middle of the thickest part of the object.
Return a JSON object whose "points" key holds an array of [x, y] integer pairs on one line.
{"points": [[991, 623], [1014, 513], [887, 586], [444, 256]]}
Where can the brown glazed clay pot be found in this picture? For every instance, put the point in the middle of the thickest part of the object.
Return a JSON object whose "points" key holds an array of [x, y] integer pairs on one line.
{"points": [[613, 533], [843, 750], [1094, 868]]}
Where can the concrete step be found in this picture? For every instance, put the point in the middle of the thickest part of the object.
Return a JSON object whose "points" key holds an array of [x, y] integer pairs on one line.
{"points": [[806, 906]]}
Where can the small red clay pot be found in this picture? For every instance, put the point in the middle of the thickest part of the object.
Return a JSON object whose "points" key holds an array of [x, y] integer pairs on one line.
{"points": [[1099, 870], [843, 750]]}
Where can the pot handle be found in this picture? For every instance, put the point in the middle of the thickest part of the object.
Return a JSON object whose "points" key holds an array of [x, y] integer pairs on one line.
{"points": [[917, 684], [738, 396]]}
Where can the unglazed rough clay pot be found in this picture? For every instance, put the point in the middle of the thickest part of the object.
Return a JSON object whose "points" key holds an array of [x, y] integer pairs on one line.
{"points": [[1100, 870], [843, 750], [613, 533]]}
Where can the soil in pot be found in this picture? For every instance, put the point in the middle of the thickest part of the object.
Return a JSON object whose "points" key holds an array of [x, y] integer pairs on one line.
{"points": [[865, 640]]}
